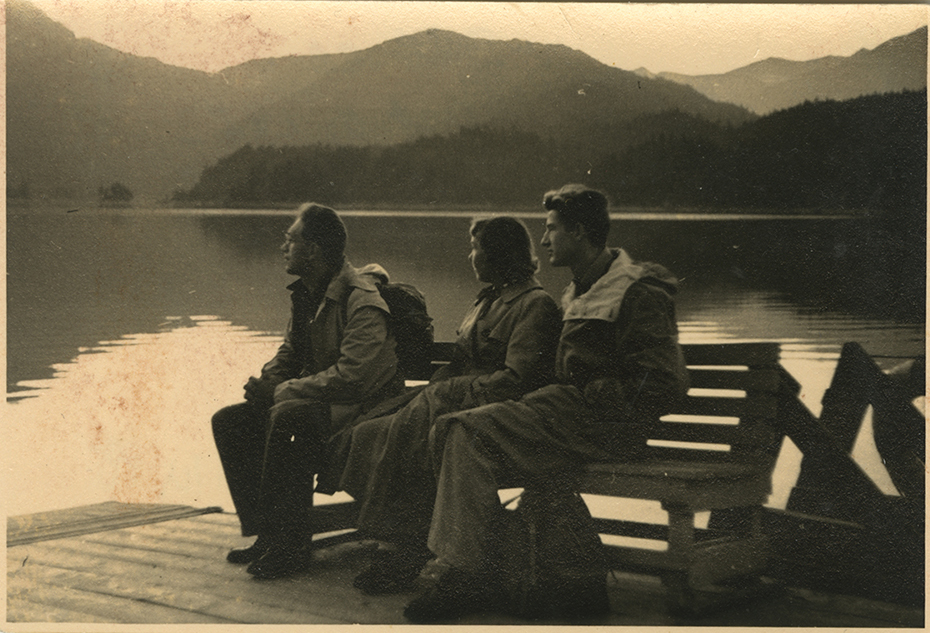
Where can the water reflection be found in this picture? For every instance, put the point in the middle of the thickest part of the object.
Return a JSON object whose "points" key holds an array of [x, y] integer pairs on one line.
{"points": [[129, 419]]}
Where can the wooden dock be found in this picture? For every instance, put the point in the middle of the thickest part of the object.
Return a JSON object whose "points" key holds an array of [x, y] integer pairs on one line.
{"points": [[151, 564]]}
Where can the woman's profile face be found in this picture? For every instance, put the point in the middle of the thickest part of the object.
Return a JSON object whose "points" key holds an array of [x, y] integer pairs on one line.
{"points": [[479, 262]]}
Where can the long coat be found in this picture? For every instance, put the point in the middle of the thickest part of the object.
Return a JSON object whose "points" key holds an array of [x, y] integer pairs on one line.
{"points": [[505, 348], [618, 366], [337, 360], [342, 353]]}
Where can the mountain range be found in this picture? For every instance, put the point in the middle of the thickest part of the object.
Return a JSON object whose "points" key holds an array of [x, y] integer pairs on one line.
{"points": [[775, 84], [81, 115]]}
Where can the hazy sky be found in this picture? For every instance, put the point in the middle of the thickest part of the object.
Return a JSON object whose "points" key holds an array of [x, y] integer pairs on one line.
{"points": [[686, 38]]}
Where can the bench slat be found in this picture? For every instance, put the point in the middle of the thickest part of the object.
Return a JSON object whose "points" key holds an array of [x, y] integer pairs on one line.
{"points": [[739, 354], [758, 405], [650, 531], [746, 434], [670, 453], [443, 351], [676, 469], [750, 380], [698, 489]]}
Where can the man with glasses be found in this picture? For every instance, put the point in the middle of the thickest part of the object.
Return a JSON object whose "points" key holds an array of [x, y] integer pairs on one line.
{"points": [[336, 362]]}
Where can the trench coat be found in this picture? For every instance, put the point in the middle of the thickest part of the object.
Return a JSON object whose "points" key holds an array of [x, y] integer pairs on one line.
{"points": [[336, 361], [618, 367], [343, 354], [505, 347]]}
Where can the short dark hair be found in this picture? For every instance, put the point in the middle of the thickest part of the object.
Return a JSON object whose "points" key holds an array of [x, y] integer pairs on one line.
{"points": [[507, 246], [323, 227], [577, 204]]}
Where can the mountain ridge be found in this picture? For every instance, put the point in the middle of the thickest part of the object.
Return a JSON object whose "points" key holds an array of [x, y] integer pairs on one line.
{"points": [[82, 115], [776, 83]]}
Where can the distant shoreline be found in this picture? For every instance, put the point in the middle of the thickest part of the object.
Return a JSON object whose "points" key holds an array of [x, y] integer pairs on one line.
{"points": [[426, 210]]}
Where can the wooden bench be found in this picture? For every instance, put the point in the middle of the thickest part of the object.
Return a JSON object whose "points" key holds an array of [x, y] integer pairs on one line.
{"points": [[715, 454]]}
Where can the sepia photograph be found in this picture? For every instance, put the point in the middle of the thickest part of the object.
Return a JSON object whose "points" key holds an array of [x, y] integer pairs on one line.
{"points": [[470, 313]]}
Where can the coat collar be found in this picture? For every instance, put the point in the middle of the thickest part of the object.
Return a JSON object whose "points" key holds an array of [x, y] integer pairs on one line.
{"points": [[513, 291], [595, 271], [347, 277], [602, 301], [510, 292]]}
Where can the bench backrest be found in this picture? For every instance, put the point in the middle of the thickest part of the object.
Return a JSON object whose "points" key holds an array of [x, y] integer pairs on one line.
{"points": [[442, 354], [730, 411]]}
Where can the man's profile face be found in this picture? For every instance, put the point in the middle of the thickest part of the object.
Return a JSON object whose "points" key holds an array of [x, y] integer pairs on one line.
{"points": [[297, 253], [561, 244]]}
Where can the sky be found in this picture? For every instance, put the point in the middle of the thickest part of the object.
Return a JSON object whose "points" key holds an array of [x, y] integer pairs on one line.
{"points": [[689, 38]]}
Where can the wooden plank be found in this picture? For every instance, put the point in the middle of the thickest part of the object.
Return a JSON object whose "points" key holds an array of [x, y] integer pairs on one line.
{"points": [[859, 498], [677, 469], [213, 544], [696, 494], [220, 518], [744, 435], [631, 529], [738, 354], [141, 547], [760, 405], [650, 531], [668, 454], [443, 351], [206, 533], [149, 574], [752, 380], [635, 559], [156, 542], [24, 610], [334, 516], [844, 556], [726, 558], [90, 514], [119, 602], [861, 608], [335, 574], [94, 518], [102, 603]]}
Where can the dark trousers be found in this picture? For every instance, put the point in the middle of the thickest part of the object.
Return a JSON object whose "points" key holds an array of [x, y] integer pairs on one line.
{"points": [[269, 457]]}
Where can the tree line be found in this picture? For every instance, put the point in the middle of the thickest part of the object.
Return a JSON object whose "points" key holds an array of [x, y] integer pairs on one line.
{"points": [[865, 154]]}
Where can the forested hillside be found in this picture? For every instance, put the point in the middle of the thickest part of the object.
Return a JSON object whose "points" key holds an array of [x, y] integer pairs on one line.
{"points": [[866, 154]]}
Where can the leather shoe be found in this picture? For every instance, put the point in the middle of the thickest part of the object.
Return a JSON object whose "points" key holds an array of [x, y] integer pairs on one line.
{"points": [[248, 554], [396, 572], [455, 594], [280, 561]]}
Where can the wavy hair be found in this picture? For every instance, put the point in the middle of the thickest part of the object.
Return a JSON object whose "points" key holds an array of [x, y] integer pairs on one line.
{"points": [[577, 204], [507, 247]]}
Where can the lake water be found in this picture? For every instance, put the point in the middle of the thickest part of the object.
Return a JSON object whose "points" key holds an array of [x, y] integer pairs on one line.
{"points": [[126, 330]]}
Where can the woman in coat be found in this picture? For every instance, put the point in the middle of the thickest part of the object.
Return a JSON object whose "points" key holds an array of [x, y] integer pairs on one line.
{"points": [[505, 348]]}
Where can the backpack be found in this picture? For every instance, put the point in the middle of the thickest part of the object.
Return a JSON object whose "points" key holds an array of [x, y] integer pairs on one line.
{"points": [[552, 563], [412, 328]]}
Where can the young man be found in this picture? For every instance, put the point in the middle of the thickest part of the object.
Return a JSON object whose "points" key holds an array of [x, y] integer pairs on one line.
{"points": [[337, 361], [618, 367]]}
